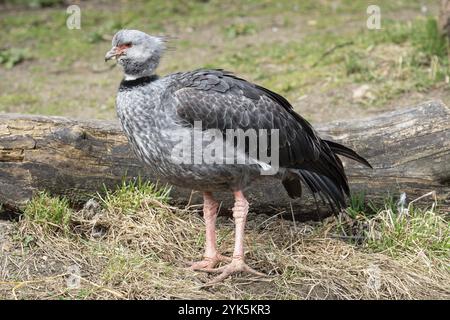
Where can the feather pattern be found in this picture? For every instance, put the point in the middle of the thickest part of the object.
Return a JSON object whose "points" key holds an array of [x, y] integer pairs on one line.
{"points": [[153, 108], [223, 101]]}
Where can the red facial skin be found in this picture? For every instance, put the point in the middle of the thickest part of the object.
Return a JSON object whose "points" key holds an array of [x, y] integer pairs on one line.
{"points": [[120, 50]]}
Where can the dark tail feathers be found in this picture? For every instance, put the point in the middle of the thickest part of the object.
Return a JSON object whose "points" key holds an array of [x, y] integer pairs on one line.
{"points": [[346, 152], [328, 180]]}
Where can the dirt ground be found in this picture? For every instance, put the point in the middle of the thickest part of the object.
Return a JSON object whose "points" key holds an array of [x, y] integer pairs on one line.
{"points": [[109, 254]]}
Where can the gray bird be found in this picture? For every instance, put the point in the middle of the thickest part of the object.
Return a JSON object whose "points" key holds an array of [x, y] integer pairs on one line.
{"points": [[212, 131]]}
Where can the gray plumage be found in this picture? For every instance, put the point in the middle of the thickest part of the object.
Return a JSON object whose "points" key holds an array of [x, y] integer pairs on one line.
{"points": [[155, 112]]}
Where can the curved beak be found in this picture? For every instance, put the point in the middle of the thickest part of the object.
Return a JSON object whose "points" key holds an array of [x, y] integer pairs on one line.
{"points": [[111, 54]]}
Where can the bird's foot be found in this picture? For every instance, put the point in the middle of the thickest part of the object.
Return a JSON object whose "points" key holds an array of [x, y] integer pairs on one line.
{"points": [[208, 263], [235, 266]]}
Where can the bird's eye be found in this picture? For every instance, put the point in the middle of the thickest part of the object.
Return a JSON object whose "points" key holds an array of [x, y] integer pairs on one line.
{"points": [[125, 45]]}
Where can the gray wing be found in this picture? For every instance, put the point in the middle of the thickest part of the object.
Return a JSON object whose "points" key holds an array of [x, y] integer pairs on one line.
{"points": [[223, 101]]}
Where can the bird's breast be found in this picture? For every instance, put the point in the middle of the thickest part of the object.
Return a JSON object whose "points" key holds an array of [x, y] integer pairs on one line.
{"points": [[148, 125]]}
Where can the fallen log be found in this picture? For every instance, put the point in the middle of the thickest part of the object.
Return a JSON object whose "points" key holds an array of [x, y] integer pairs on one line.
{"points": [[409, 150]]}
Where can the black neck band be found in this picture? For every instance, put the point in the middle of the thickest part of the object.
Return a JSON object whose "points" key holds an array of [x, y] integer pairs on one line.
{"points": [[138, 82]]}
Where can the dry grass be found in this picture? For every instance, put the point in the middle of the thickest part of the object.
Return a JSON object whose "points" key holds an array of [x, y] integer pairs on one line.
{"points": [[140, 254]]}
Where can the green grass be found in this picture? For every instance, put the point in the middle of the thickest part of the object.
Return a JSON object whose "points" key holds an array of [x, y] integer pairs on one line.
{"points": [[357, 205], [397, 229], [402, 57], [36, 3], [355, 65], [131, 195], [50, 212], [239, 29], [8, 101], [10, 57], [409, 229], [414, 231]]}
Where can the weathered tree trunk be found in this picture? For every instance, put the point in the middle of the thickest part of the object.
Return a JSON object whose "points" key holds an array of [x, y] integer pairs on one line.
{"points": [[409, 150]]}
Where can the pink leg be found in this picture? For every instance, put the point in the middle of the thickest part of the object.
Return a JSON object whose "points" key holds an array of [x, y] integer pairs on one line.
{"points": [[210, 207], [211, 257], [240, 211], [237, 264]]}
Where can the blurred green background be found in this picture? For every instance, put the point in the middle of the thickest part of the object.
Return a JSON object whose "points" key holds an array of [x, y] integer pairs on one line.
{"points": [[319, 54]]}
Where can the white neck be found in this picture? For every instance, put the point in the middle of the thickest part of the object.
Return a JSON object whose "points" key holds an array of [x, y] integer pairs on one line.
{"points": [[129, 77], [134, 77], [137, 76]]}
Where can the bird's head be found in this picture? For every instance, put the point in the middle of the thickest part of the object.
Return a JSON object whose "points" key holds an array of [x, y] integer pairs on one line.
{"points": [[137, 52]]}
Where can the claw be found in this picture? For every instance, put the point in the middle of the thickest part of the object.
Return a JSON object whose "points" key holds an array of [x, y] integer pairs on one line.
{"points": [[235, 266], [208, 263]]}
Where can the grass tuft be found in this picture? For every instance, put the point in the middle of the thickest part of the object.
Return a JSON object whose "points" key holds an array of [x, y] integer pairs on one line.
{"points": [[13, 56], [354, 64], [427, 38], [397, 229], [50, 212], [239, 29], [131, 195], [412, 231]]}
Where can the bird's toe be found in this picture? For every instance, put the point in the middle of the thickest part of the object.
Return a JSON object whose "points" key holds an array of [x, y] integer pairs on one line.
{"points": [[208, 264], [235, 266], [201, 265]]}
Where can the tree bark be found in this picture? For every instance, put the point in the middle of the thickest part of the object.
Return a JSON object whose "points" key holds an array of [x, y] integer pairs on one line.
{"points": [[409, 150]]}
